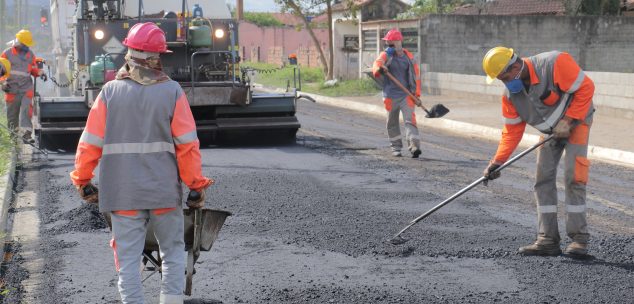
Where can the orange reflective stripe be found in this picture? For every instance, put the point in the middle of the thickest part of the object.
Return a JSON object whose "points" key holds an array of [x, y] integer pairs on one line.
{"points": [[96, 123], [9, 97], [388, 103], [29, 94], [126, 212], [14, 50], [162, 210], [410, 102], [183, 120], [113, 245], [579, 135], [582, 166]]}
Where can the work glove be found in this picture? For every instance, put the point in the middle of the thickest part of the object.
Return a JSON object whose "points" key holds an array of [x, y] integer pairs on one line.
{"points": [[89, 193], [490, 172], [562, 128], [196, 199]]}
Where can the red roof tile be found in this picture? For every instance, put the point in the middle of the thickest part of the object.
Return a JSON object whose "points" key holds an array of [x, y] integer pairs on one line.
{"points": [[514, 7]]}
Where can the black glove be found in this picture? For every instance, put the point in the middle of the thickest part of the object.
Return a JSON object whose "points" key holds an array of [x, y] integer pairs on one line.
{"points": [[490, 172], [89, 193], [44, 77], [196, 199]]}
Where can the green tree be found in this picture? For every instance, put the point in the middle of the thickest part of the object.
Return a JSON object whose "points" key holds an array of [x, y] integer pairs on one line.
{"points": [[422, 7], [304, 8], [592, 7], [261, 19]]}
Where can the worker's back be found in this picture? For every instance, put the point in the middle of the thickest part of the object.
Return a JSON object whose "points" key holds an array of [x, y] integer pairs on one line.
{"points": [[138, 162]]}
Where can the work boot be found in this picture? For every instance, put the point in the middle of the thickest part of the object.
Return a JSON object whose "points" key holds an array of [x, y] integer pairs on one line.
{"points": [[577, 249], [416, 153], [397, 153], [540, 249]]}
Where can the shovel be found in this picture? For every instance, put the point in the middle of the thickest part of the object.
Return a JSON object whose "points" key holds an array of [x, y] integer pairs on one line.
{"points": [[398, 240], [436, 111]]}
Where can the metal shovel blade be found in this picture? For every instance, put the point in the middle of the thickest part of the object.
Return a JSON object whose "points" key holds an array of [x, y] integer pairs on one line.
{"points": [[437, 111], [398, 240]]}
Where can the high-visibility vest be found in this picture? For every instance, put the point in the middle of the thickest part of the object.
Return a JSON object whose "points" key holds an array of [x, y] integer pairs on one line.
{"points": [[413, 77], [146, 138], [22, 67], [547, 100]]}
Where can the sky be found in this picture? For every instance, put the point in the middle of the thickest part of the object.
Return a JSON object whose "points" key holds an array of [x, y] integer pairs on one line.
{"points": [[266, 5]]}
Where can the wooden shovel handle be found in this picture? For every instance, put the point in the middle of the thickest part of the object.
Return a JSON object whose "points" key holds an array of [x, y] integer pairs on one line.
{"points": [[400, 86]]}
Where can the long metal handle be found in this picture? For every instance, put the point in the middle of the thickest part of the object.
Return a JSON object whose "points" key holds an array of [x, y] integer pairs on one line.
{"points": [[400, 86], [475, 183]]}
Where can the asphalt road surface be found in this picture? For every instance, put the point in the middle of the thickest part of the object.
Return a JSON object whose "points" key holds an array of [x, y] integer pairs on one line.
{"points": [[311, 223]]}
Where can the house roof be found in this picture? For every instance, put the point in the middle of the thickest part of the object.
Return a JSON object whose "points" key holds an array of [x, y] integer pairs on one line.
{"points": [[341, 6], [627, 4], [514, 7]]}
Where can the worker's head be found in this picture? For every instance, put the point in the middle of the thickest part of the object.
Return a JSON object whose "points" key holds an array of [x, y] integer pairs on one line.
{"points": [[5, 68], [504, 64], [25, 38], [394, 39]]}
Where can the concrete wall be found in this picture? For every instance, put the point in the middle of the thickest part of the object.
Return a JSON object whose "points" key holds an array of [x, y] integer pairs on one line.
{"points": [[456, 44], [276, 43], [453, 47]]}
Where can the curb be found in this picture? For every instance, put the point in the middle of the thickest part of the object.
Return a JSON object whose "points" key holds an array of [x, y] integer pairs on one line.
{"points": [[6, 190], [609, 155]]}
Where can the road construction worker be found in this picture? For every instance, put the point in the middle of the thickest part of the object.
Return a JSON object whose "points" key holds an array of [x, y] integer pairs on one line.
{"points": [[550, 92], [142, 129], [400, 63], [18, 87]]}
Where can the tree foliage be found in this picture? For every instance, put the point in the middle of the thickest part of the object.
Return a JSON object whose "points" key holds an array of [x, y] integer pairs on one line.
{"points": [[261, 19], [422, 7], [305, 8], [592, 7]]}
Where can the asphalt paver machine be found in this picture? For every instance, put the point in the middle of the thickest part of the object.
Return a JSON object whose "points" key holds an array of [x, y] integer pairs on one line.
{"points": [[88, 50]]}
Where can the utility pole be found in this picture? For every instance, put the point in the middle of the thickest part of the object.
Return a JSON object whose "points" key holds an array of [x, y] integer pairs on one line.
{"points": [[3, 20]]}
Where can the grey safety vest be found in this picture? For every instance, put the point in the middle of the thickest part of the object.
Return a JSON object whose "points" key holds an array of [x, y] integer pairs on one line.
{"points": [[19, 80], [138, 166], [530, 105]]}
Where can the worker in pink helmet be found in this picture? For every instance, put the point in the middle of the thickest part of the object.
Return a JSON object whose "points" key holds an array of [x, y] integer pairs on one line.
{"points": [[142, 131], [400, 63]]}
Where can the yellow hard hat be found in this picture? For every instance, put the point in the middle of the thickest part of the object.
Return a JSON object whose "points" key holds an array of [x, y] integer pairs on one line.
{"points": [[25, 37], [6, 64], [497, 60]]}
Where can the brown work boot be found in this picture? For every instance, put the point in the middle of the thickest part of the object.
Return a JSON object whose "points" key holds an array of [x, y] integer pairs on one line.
{"points": [[577, 249], [540, 249]]}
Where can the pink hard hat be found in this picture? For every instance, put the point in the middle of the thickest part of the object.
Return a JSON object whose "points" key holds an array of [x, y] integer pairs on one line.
{"points": [[393, 35], [146, 37]]}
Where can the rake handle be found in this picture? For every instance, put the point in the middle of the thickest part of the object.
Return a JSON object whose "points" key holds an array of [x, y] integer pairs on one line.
{"points": [[402, 87], [472, 185]]}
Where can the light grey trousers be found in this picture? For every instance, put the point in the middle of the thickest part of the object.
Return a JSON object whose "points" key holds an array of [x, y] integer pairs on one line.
{"points": [[128, 241], [18, 113], [576, 166], [394, 108]]}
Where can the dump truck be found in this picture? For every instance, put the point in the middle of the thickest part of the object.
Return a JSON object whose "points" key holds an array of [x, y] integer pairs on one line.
{"points": [[88, 49]]}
